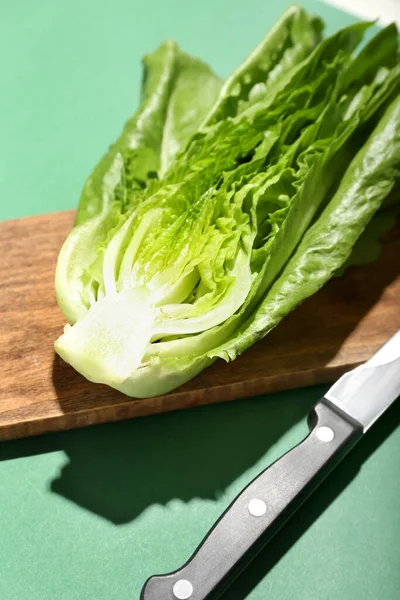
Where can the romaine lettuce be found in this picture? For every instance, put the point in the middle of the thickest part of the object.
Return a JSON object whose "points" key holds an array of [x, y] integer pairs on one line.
{"points": [[224, 205]]}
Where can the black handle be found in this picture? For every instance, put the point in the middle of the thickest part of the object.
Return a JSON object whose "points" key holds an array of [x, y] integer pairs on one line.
{"points": [[259, 511]]}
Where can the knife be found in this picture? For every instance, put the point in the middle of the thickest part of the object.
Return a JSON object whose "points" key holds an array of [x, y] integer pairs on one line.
{"points": [[336, 423]]}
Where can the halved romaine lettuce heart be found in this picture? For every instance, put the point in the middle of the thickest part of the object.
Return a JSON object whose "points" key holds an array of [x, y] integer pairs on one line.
{"points": [[222, 206]]}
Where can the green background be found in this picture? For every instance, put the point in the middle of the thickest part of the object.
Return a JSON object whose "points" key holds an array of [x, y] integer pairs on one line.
{"points": [[90, 514]]}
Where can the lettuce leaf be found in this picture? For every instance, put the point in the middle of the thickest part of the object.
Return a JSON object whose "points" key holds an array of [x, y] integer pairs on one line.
{"points": [[177, 92], [328, 243]]}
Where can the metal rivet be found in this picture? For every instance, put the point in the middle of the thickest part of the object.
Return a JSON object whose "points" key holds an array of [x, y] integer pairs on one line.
{"points": [[257, 507], [325, 434], [183, 589]]}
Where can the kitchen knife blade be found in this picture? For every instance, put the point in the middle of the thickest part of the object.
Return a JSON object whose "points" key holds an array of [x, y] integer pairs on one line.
{"points": [[367, 391], [337, 422]]}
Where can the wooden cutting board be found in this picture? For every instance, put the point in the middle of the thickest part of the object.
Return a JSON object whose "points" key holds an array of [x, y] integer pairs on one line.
{"points": [[338, 328]]}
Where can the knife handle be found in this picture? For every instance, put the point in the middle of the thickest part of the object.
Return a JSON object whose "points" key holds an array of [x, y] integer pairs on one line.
{"points": [[259, 511]]}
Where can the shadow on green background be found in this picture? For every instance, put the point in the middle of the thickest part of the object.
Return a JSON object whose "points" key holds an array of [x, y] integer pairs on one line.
{"points": [[123, 468]]}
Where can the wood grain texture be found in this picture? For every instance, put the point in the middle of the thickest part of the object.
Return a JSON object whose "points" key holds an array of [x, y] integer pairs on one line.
{"points": [[338, 328]]}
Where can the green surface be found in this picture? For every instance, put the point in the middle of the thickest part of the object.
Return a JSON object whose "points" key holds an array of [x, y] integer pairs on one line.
{"points": [[90, 514]]}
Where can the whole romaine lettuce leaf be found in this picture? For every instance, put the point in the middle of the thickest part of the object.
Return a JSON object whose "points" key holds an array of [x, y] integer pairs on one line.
{"points": [[221, 207]]}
